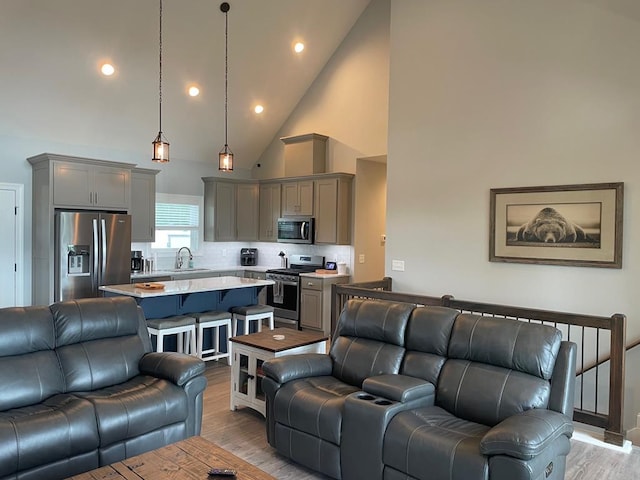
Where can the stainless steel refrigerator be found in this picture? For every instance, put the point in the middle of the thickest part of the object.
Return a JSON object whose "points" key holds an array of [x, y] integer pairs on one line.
{"points": [[91, 249]]}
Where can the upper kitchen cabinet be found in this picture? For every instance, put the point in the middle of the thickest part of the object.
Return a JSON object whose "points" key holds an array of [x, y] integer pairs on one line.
{"points": [[84, 183], [270, 198], [297, 198], [230, 210], [333, 198], [247, 211], [143, 204], [305, 154]]}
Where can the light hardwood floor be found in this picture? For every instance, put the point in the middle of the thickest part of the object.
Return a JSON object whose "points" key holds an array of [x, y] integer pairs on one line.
{"points": [[243, 433]]}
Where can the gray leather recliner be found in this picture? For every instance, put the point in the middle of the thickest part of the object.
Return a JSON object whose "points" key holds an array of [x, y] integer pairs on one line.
{"points": [[475, 398], [502, 408], [305, 394], [81, 388]]}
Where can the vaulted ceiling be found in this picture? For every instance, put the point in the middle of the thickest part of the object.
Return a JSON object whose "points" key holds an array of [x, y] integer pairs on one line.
{"points": [[51, 88]]}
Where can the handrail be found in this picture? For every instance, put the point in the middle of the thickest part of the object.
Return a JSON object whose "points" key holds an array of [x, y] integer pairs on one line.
{"points": [[573, 324], [606, 358]]}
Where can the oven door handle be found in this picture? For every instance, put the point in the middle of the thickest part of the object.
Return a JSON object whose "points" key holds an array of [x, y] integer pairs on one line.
{"points": [[293, 284]]}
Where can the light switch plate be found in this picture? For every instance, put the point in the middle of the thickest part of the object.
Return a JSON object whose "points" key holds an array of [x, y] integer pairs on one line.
{"points": [[361, 258], [397, 265]]}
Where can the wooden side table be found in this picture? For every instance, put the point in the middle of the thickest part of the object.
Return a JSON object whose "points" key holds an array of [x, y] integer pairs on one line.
{"points": [[250, 351]]}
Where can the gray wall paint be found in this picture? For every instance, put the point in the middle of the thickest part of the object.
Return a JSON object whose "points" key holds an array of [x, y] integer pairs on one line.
{"points": [[508, 94], [348, 101]]}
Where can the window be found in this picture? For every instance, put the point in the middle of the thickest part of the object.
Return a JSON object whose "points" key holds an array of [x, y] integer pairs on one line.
{"points": [[178, 220]]}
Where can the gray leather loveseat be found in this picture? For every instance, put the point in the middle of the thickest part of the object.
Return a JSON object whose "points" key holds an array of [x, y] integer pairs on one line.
{"points": [[81, 388], [426, 393]]}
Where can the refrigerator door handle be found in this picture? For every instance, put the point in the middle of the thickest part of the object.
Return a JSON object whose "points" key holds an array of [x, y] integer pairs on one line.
{"points": [[94, 277], [103, 246]]}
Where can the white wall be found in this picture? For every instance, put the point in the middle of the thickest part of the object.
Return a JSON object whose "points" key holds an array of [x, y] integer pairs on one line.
{"points": [[347, 102], [501, 93]]}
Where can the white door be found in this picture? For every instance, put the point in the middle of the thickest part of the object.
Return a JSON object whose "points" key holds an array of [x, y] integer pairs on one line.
{"points": [[11, 264]]}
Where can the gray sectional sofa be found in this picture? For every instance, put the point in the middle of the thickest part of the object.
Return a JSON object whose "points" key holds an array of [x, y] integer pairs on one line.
{"points": [[81, 388], [423, 393]]}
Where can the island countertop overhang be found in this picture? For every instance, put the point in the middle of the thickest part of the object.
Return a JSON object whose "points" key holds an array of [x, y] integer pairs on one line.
{"points": [[179, 287]]}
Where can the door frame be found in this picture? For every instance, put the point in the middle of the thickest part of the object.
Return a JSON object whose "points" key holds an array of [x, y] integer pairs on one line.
{"points": [[18, 189]]}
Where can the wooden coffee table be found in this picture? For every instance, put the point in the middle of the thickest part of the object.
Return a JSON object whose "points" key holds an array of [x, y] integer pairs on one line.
{"points": [[189, 459]]}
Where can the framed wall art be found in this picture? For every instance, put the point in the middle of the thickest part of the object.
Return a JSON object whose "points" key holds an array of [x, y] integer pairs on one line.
{"points": [[579, 225]]}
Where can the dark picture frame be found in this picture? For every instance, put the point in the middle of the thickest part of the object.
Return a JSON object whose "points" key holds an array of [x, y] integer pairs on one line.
{"points": [[573, 225]]}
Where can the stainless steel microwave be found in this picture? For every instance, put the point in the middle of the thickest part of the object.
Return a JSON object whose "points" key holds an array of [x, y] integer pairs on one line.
{"points": [[296, 229]]}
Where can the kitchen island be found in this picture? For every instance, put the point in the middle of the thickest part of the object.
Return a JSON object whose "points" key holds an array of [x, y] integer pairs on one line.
{"points": [[181, 297]]}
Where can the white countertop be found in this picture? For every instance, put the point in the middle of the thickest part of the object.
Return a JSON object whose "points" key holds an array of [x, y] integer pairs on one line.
{"points": [[185, 271], [178, 287], [325, 275]]}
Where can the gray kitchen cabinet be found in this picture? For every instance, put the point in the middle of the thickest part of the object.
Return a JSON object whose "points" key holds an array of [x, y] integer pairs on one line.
{"points": [[61, 181], [333, 197], [297, 197], [270, 208], [311, 309], [315, 301], [247, 211], [90, 185], [224, 212], [230, 210], [143, 204]]}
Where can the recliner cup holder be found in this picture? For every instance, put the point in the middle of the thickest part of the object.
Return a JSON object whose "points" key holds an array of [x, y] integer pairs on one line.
{"points": [[366, 397], [382, 402]]}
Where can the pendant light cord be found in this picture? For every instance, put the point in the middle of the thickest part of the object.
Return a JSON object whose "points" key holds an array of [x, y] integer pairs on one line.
{"points": [[160, 75], [226, 73]]}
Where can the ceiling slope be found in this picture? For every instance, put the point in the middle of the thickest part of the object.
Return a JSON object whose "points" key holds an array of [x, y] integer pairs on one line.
{"points": [[50, 88]]}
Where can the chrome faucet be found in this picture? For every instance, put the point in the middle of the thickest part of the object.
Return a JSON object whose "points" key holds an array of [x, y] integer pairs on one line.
{"points": [[179, 257]]}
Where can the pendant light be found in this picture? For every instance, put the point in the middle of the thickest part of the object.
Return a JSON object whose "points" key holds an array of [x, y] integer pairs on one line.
{"points": [[160, 144], [225, 157]]}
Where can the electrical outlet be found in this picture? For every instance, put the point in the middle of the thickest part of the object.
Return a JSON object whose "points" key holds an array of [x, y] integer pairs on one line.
{"points": [[397, 265], [224, 252], [361, 258]]}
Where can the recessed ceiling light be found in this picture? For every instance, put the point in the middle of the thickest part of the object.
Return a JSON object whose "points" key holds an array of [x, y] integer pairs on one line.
{"points": [[258, 109], [298, 47], [194, 91], [107, 69]]}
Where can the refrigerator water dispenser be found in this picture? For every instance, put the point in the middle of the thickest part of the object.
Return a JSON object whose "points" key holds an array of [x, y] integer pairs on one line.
{"points": [[78, 260]]}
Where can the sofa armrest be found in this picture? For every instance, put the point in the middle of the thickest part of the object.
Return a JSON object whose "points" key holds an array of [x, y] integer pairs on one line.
{"points": [[399, 388], [291, 367], [178, 368], [526, 434]]}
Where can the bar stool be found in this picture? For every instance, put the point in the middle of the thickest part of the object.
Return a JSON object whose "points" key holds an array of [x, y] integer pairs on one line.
{"points": [[213, 319], [176, 325], [252, 313]]}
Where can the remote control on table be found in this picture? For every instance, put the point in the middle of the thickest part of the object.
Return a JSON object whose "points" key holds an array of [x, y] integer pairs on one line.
{"points": [[222, 472]]}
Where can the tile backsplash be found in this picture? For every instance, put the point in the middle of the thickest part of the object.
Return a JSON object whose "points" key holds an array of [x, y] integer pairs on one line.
{"points": [[220, 255]]}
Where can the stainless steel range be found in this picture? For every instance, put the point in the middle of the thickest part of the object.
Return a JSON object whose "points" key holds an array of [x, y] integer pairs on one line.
{"points": [[284, 294]]}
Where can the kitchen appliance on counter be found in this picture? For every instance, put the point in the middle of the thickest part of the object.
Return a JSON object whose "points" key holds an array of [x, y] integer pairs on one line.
{"points": [[284, 294], [90, 249], [248, 257], [296, 229], [136, 261]]}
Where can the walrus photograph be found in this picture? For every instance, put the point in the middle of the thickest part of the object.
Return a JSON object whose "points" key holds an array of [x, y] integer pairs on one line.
{"points": [[554, 225]]}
